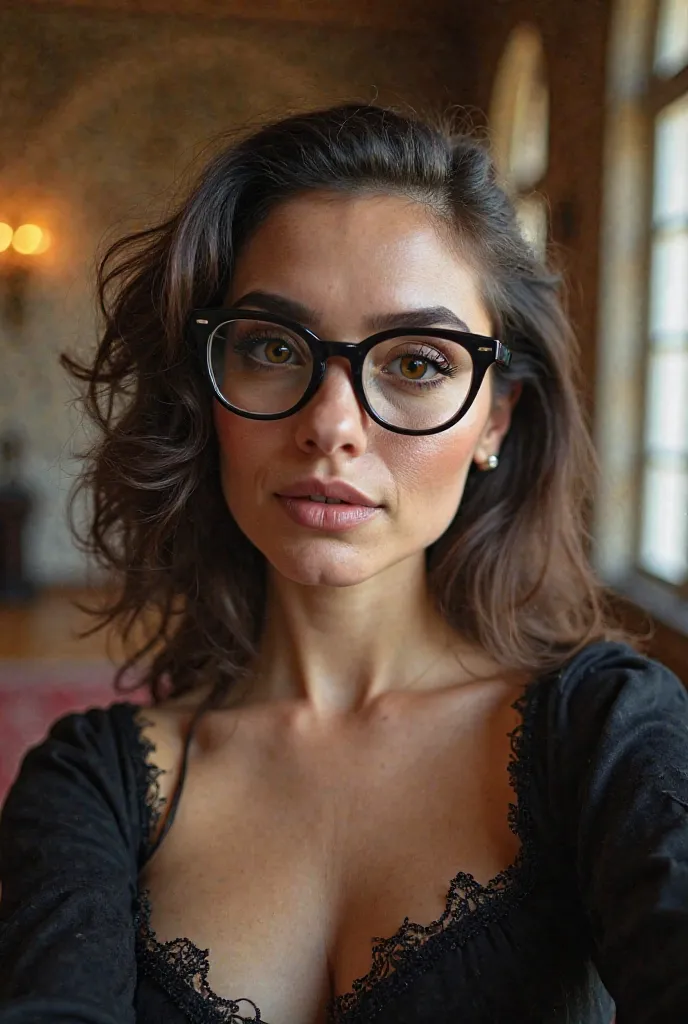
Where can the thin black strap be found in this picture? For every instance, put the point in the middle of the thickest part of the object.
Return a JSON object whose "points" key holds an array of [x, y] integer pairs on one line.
{"points": [[173, 801]]}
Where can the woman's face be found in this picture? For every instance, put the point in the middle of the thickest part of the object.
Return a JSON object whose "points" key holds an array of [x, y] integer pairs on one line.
{"points": [[348, 261]]}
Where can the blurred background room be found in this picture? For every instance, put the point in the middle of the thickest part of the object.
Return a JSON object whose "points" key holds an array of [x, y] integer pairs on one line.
{"points": [[106, 104]]}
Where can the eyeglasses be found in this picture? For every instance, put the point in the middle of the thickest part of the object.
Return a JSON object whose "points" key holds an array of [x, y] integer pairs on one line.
{"points": [[409, 380]]}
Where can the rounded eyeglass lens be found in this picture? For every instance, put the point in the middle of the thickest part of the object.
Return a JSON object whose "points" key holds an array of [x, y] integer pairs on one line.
{"points": [[260, 367], [417, 383]]}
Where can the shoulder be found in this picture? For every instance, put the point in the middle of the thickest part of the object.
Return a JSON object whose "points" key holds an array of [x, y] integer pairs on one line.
{"points": [[82, 788], [86, 758], [115, 736], [613, 721], [610, 681], [100, 734]]}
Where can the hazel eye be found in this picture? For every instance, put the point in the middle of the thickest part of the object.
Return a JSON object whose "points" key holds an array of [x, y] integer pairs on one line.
{"points": [[277, 349], [410, 365]]}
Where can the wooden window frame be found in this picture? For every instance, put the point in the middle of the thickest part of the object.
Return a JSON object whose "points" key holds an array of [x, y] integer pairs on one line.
{"points": [[636, 97]]}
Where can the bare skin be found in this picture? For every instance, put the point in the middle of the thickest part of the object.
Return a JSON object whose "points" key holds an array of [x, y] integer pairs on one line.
{"points": [[367, 762]]}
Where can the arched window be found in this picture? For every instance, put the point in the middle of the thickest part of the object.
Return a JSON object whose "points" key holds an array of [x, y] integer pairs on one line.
{"points": [[642, 422], [671, 50], [519, 122]]}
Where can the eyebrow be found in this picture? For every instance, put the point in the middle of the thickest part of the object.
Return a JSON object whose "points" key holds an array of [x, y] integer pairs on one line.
{"points": [[428, 316]]}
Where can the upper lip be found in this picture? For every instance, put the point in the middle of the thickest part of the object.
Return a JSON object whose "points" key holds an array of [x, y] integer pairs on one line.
{"points": [[327, 489]]}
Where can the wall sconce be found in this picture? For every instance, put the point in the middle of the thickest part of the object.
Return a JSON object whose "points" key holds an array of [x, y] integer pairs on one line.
{"points": [[18, 247]]}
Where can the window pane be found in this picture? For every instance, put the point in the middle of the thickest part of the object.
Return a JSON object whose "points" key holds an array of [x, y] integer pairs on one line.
{"points": [[669, 285], [664, 533], [671, 163], [672, 37], [667, 402]]}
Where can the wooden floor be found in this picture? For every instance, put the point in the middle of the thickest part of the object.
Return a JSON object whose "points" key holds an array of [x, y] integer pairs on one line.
{"points": [[49, 628]]}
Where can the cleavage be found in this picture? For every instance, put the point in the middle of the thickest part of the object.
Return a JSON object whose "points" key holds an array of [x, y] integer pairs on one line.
{"points": [[290, 852]]}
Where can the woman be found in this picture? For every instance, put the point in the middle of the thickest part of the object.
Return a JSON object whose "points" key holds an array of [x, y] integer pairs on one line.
{"points": [[341, 476]]}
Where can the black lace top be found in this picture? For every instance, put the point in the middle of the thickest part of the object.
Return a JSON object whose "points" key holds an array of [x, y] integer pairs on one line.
{"points": [[593, 912]]}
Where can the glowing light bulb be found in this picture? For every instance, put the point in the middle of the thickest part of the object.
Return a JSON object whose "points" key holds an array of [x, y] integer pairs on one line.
{"points": [[28, 239], [6, 233], [46, 239]]}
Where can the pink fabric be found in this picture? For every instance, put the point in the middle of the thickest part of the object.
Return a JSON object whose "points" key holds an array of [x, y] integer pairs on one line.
{"points": [[32, 697]]}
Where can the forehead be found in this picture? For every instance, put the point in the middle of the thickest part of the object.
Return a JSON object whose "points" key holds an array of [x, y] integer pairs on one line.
{"points": [[346, 257]]}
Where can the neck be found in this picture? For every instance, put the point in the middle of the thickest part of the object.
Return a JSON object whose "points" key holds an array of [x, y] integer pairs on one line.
{"points": [[340, 649]]}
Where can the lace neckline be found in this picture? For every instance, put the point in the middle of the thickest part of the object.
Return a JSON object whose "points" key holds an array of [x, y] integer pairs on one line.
{"points": [[181, 968]]}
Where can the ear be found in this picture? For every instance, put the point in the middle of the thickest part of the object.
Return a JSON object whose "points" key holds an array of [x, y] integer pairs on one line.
{"points": [[498, 424]]}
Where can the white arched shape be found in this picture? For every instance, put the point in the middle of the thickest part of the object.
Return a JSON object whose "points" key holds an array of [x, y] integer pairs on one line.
{"points": [[519, 110]]}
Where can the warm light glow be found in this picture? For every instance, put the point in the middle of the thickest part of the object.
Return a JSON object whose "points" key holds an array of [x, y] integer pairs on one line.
{"points": [[28, 240], [6, 233], [46, 239]]}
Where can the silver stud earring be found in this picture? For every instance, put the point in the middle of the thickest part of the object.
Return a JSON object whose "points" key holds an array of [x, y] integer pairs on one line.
{"points": [[491, 462]]}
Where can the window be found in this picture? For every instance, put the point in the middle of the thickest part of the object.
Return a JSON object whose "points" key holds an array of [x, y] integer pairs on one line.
{"points": [[519, 120], [642, 535], [671, 50]]}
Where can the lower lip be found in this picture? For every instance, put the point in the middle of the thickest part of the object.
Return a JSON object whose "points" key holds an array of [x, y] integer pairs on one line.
{"points": [[321, 516]]}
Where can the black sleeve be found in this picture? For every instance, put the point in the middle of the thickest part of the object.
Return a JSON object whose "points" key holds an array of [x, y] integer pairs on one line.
{"points": [[69, 848], [623, 752]]}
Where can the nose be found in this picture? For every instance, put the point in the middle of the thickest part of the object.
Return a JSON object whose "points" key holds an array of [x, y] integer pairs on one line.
{"points": [[334, 419]]}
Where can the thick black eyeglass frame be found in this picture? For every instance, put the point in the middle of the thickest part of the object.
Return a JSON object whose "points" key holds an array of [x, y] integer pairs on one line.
{"points": [[484, 351]]}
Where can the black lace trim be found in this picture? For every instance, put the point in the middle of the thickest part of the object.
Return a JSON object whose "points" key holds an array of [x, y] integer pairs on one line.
{"points": [[151, 801], [182, 969]]}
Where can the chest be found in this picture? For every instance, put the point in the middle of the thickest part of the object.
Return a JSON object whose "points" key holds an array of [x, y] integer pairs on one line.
{"points": [[291, 856]]}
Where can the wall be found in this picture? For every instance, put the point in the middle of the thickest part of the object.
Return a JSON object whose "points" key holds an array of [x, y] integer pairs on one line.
{"points": [[101, 110], [574, 34]]}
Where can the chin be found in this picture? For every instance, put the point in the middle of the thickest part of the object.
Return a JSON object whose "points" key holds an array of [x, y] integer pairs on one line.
{"points": [[321, 564]]}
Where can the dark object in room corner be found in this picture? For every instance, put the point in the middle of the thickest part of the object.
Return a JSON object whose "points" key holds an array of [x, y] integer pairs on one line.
{"points": [[16, 504]]}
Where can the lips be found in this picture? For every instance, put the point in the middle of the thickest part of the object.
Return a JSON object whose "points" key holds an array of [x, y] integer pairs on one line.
{"points": [[319, 489], [325, 517]]}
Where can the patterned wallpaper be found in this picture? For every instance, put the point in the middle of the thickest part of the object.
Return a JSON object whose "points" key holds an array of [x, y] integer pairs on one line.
{"points": [[100, 116]]}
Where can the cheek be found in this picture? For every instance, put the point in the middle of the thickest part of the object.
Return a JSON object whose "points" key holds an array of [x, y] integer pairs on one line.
{"points": [[434, 468], [242, 452], [225, 440], [430, 488], [435, 472]]}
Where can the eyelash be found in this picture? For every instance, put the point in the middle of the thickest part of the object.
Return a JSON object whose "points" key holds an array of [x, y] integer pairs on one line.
{"points": [[430, 356], [445, 368]]}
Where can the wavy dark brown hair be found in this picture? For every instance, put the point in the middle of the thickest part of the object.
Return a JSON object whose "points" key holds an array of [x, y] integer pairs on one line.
{"points": [[511, 572]]}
